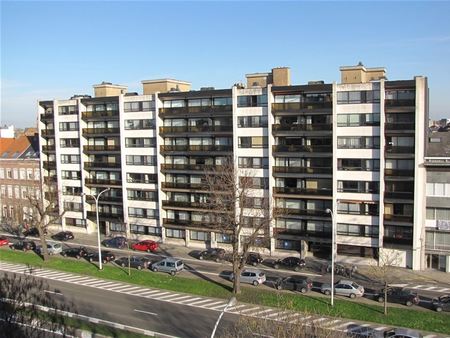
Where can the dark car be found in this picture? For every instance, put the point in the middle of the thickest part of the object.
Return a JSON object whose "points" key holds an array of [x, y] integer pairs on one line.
{"points": [[23, 245], [63, 236], [136, 262], [215, 254], [75, 252], [294, 283], [33, 232], [399, 295], [293, 263], [441, 303], [254, 259], [107, 256], [118, 242]]}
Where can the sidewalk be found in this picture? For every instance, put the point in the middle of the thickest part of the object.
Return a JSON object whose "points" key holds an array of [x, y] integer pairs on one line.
{"points": [[400, 274]]}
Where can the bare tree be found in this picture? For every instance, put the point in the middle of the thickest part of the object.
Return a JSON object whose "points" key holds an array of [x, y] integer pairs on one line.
{"points": [[230, 191], [382, 272], [26, 310]]}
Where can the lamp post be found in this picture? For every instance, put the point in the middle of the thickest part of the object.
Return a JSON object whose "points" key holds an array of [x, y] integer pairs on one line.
{"points": [[96, 198], [231, 302], [333, 244]]}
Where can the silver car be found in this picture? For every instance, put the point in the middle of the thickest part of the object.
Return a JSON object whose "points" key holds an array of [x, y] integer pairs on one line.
{"points": [[52, 248], [251, 276], [169, 265], [344, 288]]}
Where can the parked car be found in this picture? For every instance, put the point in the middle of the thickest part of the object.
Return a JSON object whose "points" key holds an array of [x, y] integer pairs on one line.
{"points": [[63, 236], [107, 256], [147, 245], [254, 258], [75, 252], [33, 232], [215, 254], [441, 303], [52, 248], [403, 333], [399, 295], [136, 262], [4, 241], [294, 283], [293, 263], [251, 276], [169, 265], [23, 245], [118, 242], [344, 288]]}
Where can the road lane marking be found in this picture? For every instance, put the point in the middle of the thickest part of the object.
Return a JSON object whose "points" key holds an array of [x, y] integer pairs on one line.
{"points": [[251, 309], [213, 303], [148, 293], [189, 300], [199, 302], [234, 308], [177, 299], [146, 312], [167, 297], [260, 312], [331, 323]]}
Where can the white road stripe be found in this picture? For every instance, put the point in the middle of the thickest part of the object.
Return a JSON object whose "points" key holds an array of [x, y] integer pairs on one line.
{"points": [[49, 274], [119, 288], [190, 300], [161, 294], [169, 296], [318, 320], [148, 293], [127, 289], [102, 284], [234, 308], [251, 309], [331, 323], [273, 314], [135, 292], [263, 311], [92, 282], [286, 316], [296, 320], [199, 302], [76, 279], [213, 303], [146, 312], [219, 307], [179, 298]]}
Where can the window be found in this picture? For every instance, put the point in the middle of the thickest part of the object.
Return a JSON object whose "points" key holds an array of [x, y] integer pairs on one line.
{"points": [[9, 173], [73, 206], [200, 235], [67, 110], [222, 101], [139, 124], [408, 94], [70, 159], [15, 174], [438, 189], [22, 174], [175, 233], [358, 164], [142, 213], [117, 227], [30, 173], [68, 126], [68, 190], [3, 191], [223, 238], [358, 187], [355, 120], [75, 222], [252, 122], [70, 175], [254, 182], [352, 97], [353, 208], [359, 142], [141, 160], [252, 101], [253, 202], [70, 143], [253, 162], [145, 230], [174, 104], [2, 173], [357, 230], [142, 195], [438, 214], [141, 142], [132, 106], [141, 178], [253, 142]]}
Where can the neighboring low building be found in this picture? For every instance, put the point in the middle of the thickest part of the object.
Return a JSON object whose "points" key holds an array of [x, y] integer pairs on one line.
{"points": [[19, 176], [437, 230]]}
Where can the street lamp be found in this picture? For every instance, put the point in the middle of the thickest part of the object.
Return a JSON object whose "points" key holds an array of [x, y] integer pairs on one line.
{"points": [[231, 302], [96, 198], [333, 243]]}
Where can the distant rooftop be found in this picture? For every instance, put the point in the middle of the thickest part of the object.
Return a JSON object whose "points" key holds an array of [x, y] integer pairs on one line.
{"points": [[438, 144]]}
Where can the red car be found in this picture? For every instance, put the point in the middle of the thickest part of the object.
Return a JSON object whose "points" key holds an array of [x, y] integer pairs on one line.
{"points": [[147, 245], [4, 241]]}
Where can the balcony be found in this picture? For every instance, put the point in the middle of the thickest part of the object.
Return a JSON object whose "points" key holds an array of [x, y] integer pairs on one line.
{"points": [[48, 132], [92, 215], [196, 110], [299, 106], [50, 179], [399, 172], [48, 165], [186, 167], [183, 204], [48, 148], [302, 127], [299, 148], [101, 165], [302, 233], [102, 148], [105, 199], [400, 127], [400, 103], [102, 182], [398, 240], [100, 114], [301, 212], [196, 129], [399, 150], [173, 185], [399, 195], [186, 223], [47, 116], [197, 148], [302, 170], [302, 191], [398, 218], [100, 131]]}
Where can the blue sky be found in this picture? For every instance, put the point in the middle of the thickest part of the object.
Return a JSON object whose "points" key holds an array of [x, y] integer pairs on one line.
{"points": [[56, 49]]}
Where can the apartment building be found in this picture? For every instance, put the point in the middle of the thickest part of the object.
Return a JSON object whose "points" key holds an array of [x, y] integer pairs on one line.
{"points": [[19, 175], [355, 147], [437, 230]]}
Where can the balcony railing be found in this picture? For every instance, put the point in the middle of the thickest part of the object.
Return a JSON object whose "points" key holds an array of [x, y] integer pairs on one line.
{"points": [[301, 212], [399, 150], [98, 131], [92, 215], [94, 148], [398, 172], [101, 165], [49, 147], [400, 103], [47, 116], [182, 204], [96, 114], [50, 179], [49, 165], [104, 198], [196, 167], [195, 110], [303, 191], [196, 129], [48, 132], [220, 148], [302, 170], [398, 218], [186, 223], [302, 232], [399, 195], [398, 240], [300, 148], [302, 127], [296, 106], [172, 185], [95, 181], [399, 126]]}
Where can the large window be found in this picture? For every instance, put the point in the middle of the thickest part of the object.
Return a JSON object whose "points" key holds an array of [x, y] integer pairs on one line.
{"points": [[70, 143], [438, 214], [252, 101], [223, 238], [70, 159], [359, 142], [75, 222], [141, 178], [68, 126], [67, 110], [142, 213], [254, 182], [175, 233], [141, 160], [358, 187], [253, 142], [145, 230], [142, 195], [352, 97], [139, 124], [356, 120], [358, 164], [138, 106], [252, 122], [140, 142], [253, 162], [70, 175], [200, 235], [438, 189], [357, 230], [354, 208]]}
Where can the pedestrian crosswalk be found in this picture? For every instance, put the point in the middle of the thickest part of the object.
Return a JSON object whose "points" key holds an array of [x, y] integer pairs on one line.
{"points": [[213, 304], [424, 287]]}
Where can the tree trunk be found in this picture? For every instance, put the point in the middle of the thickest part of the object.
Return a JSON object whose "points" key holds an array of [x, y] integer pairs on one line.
{"points": [[236, 268], [385, 298], [44, 250]]}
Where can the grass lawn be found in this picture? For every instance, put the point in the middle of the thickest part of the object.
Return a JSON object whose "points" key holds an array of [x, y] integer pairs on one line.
{"points": [[406, 317]]}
